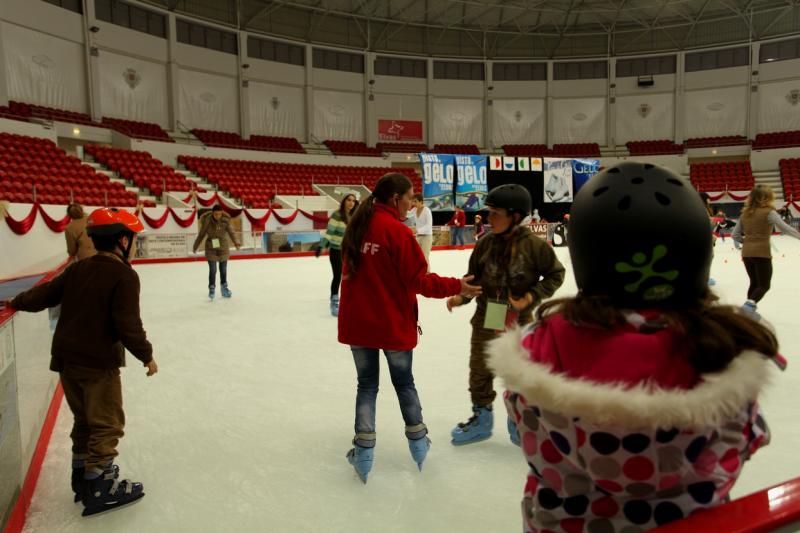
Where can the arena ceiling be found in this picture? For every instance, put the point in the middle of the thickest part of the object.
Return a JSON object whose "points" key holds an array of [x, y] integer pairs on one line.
{"points": [[506, 29]]}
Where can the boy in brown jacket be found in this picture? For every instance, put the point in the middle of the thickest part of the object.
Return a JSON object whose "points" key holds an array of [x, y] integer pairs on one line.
{"points": [[100, 300]]}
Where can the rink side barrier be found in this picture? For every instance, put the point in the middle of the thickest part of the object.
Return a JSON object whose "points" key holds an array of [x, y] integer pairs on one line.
{"points": [[16, 518], [774, 509]]}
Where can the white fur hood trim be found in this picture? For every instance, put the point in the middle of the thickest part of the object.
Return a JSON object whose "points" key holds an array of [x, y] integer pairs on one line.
{"points": [[718, 397]]}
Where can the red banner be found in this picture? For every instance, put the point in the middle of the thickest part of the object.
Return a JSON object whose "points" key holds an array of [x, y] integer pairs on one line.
{"points": [[399, 130]]}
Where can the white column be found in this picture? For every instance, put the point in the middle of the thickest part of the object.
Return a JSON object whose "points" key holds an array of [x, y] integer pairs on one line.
{"points": [[752, 95], [310, 94], [370, 119], [488, 119], [244, 98], [172, 75], [91, 53], [549, 106], [611, 104], [680, 99], [429, 122]]}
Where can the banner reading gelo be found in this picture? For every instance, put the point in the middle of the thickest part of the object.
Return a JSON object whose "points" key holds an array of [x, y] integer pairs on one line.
{"points": [[399, 130], [582, 170], [437, 181], [471, 185]]}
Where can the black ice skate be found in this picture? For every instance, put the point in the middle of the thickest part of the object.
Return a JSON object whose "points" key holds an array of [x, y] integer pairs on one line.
{"points": [[107, 492], [78, 481]]}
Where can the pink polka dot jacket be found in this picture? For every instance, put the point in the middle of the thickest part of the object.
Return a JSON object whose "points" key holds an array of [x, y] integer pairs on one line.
{"points": [[620, 432]]}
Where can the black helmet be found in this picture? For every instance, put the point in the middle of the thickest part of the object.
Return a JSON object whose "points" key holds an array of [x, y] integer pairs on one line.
{"points": [[641, 235], [512, 197]]}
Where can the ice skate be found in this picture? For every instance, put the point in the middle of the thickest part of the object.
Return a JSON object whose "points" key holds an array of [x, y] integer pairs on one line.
{"points": [[419, 449], [107, 492], [77, 480], [211, 290], [361, 459], [335, 305], [513, 433], [749, 307], [476, 429], [226, 293]]}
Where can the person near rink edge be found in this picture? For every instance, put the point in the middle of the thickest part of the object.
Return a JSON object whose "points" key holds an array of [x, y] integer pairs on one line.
{"points": [[635, 401], [216, 229], [100, 300], [517, 271]]}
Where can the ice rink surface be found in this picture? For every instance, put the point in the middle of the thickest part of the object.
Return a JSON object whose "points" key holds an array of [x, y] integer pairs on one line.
{"points": [[246, 426]]}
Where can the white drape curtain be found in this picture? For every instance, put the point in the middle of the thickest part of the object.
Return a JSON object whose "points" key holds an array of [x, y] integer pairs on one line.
{"points": [[778, 107], [208, 101], [518, 122], [458, 121], [716, 112], [645, 117], [44, 70], [133, 89], [277, 110], [338, 115], [579, 120]]}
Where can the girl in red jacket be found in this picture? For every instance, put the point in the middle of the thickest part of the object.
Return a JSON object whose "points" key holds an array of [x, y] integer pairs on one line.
{"points": [[384, 270]]}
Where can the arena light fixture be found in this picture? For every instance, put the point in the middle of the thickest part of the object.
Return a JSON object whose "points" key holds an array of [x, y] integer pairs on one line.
{"points": [[76, 131]]}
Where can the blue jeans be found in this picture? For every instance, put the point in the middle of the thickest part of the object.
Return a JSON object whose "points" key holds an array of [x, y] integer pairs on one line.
{"points": [[368, 368], [212, 273], [456, 236]]}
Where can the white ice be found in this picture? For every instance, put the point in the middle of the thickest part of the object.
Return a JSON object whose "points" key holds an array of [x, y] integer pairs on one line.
{"points": [[245, 427]]}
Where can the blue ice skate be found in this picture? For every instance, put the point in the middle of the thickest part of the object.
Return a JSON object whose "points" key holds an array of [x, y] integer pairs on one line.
{"points": [[419, 449], [211, 290], [107, 492], [749, 307], [361, 459], [476, 429], [335, 305], [226, 293], [513, 433], [711, 282]]}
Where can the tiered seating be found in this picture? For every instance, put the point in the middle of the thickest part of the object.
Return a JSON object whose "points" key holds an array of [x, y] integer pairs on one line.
{"points": [[714, 177], [256, 182], [526, 149], [778, 139], [351, 148], [729, 140], [402, 148], [23, 111], [790, 175], [226, 139], [468, 149], [660, 147], [138, 130], [28, 162], [140, 168], [576, 150]]}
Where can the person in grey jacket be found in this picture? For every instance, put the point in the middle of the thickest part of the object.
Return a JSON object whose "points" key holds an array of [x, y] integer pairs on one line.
{"points": [[215, 228]]}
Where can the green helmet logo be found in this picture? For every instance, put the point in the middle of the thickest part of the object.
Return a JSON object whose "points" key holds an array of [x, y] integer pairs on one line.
{"points": [[657, 292]]}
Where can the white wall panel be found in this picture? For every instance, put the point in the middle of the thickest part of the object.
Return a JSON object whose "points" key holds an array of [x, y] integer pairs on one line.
{"points": [[645, 117], [518, 122], [579, 120], [338, 116], [458, 121], [133, 89], [208, 101], [716, 112], [278, 110]]}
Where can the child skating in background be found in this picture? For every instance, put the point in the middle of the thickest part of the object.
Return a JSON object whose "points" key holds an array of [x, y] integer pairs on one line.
{"points": [[636, 400], [516, 271], [99, 297], [333, 241], [384, 270]]}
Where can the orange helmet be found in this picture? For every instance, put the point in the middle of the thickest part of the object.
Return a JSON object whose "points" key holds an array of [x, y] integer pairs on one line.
{"points": [[108, 221]]}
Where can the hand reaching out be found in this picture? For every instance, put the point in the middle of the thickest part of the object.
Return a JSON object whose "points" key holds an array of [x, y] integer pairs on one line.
{"points": [[470, 291]]}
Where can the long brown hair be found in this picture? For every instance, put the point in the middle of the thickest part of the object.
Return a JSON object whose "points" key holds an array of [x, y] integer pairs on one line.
{"points": [[760, 196], [712, 334], [388, 185], [343, 212]]}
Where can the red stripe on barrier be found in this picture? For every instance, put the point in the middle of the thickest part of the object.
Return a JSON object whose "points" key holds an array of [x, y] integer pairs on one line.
{"points": [[16, 522]]}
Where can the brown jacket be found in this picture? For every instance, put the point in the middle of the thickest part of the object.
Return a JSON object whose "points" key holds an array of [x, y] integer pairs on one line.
{"points": [[221, 230], [757, 230], [78, 242], [99, 300], [533, 267]]}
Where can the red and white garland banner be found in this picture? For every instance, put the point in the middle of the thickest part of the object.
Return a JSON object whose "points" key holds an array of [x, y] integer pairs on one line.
{"points": [[205, 202], [21, 227], [733, 195]]}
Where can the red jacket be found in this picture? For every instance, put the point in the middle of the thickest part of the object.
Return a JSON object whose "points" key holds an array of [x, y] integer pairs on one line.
{"points": [[459, 219], [378, 307]]}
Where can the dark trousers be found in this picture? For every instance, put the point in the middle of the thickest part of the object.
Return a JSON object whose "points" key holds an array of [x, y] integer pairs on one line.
{"points": [[95, 398], [481, 379], [212, 273], [759, 270], [336, 267]]}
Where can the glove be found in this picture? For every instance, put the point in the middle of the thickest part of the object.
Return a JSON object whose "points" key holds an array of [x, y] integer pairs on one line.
{"points": [[318, 252]]}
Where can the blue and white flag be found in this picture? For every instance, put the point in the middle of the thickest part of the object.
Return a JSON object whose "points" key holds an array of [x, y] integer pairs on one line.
{"points": [[437, 181], [471, 187]]}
